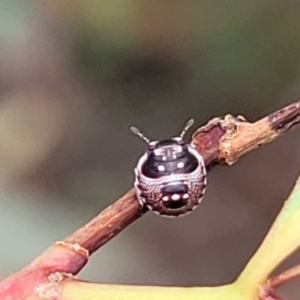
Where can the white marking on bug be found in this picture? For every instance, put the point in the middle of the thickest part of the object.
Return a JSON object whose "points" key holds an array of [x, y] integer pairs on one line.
{"points": [[175, 197], [185, 196], [165, 198], [180, 165], [161, 168]]}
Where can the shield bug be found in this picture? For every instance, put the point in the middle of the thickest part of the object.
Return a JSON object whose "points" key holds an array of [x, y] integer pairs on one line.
{"points": [[170, 178]]}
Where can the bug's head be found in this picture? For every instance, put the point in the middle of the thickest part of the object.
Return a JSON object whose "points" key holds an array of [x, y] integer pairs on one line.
{"points": [[166, 157], [164, 143]]}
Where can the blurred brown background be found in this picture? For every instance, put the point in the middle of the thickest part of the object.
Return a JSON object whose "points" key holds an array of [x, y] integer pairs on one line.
{"points": [[74, 75]]}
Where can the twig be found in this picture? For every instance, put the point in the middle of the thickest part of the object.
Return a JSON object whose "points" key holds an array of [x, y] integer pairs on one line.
{"points": [[267, 290], [222, 140], [108, 223], [268, 295], [226, 140], [284, 277]]}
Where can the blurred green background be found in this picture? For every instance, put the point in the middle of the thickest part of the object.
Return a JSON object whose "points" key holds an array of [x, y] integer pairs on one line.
{"points": [[74, 75]]}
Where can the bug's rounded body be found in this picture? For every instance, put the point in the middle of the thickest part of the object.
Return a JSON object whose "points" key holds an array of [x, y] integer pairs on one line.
{"points": [[170, 178]]}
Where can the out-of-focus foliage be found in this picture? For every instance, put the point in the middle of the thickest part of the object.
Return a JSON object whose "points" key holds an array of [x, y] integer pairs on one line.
{"points": [[74, 75]]}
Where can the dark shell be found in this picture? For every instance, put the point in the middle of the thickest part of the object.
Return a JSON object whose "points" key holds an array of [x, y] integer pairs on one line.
{"points": [[174, 189]]}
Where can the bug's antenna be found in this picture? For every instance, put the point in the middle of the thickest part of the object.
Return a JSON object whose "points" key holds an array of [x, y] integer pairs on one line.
{"points": [[188, 124], [137, 132]]}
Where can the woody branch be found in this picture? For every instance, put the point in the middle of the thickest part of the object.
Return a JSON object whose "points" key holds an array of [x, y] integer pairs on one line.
{"points": [[221, 141]]}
